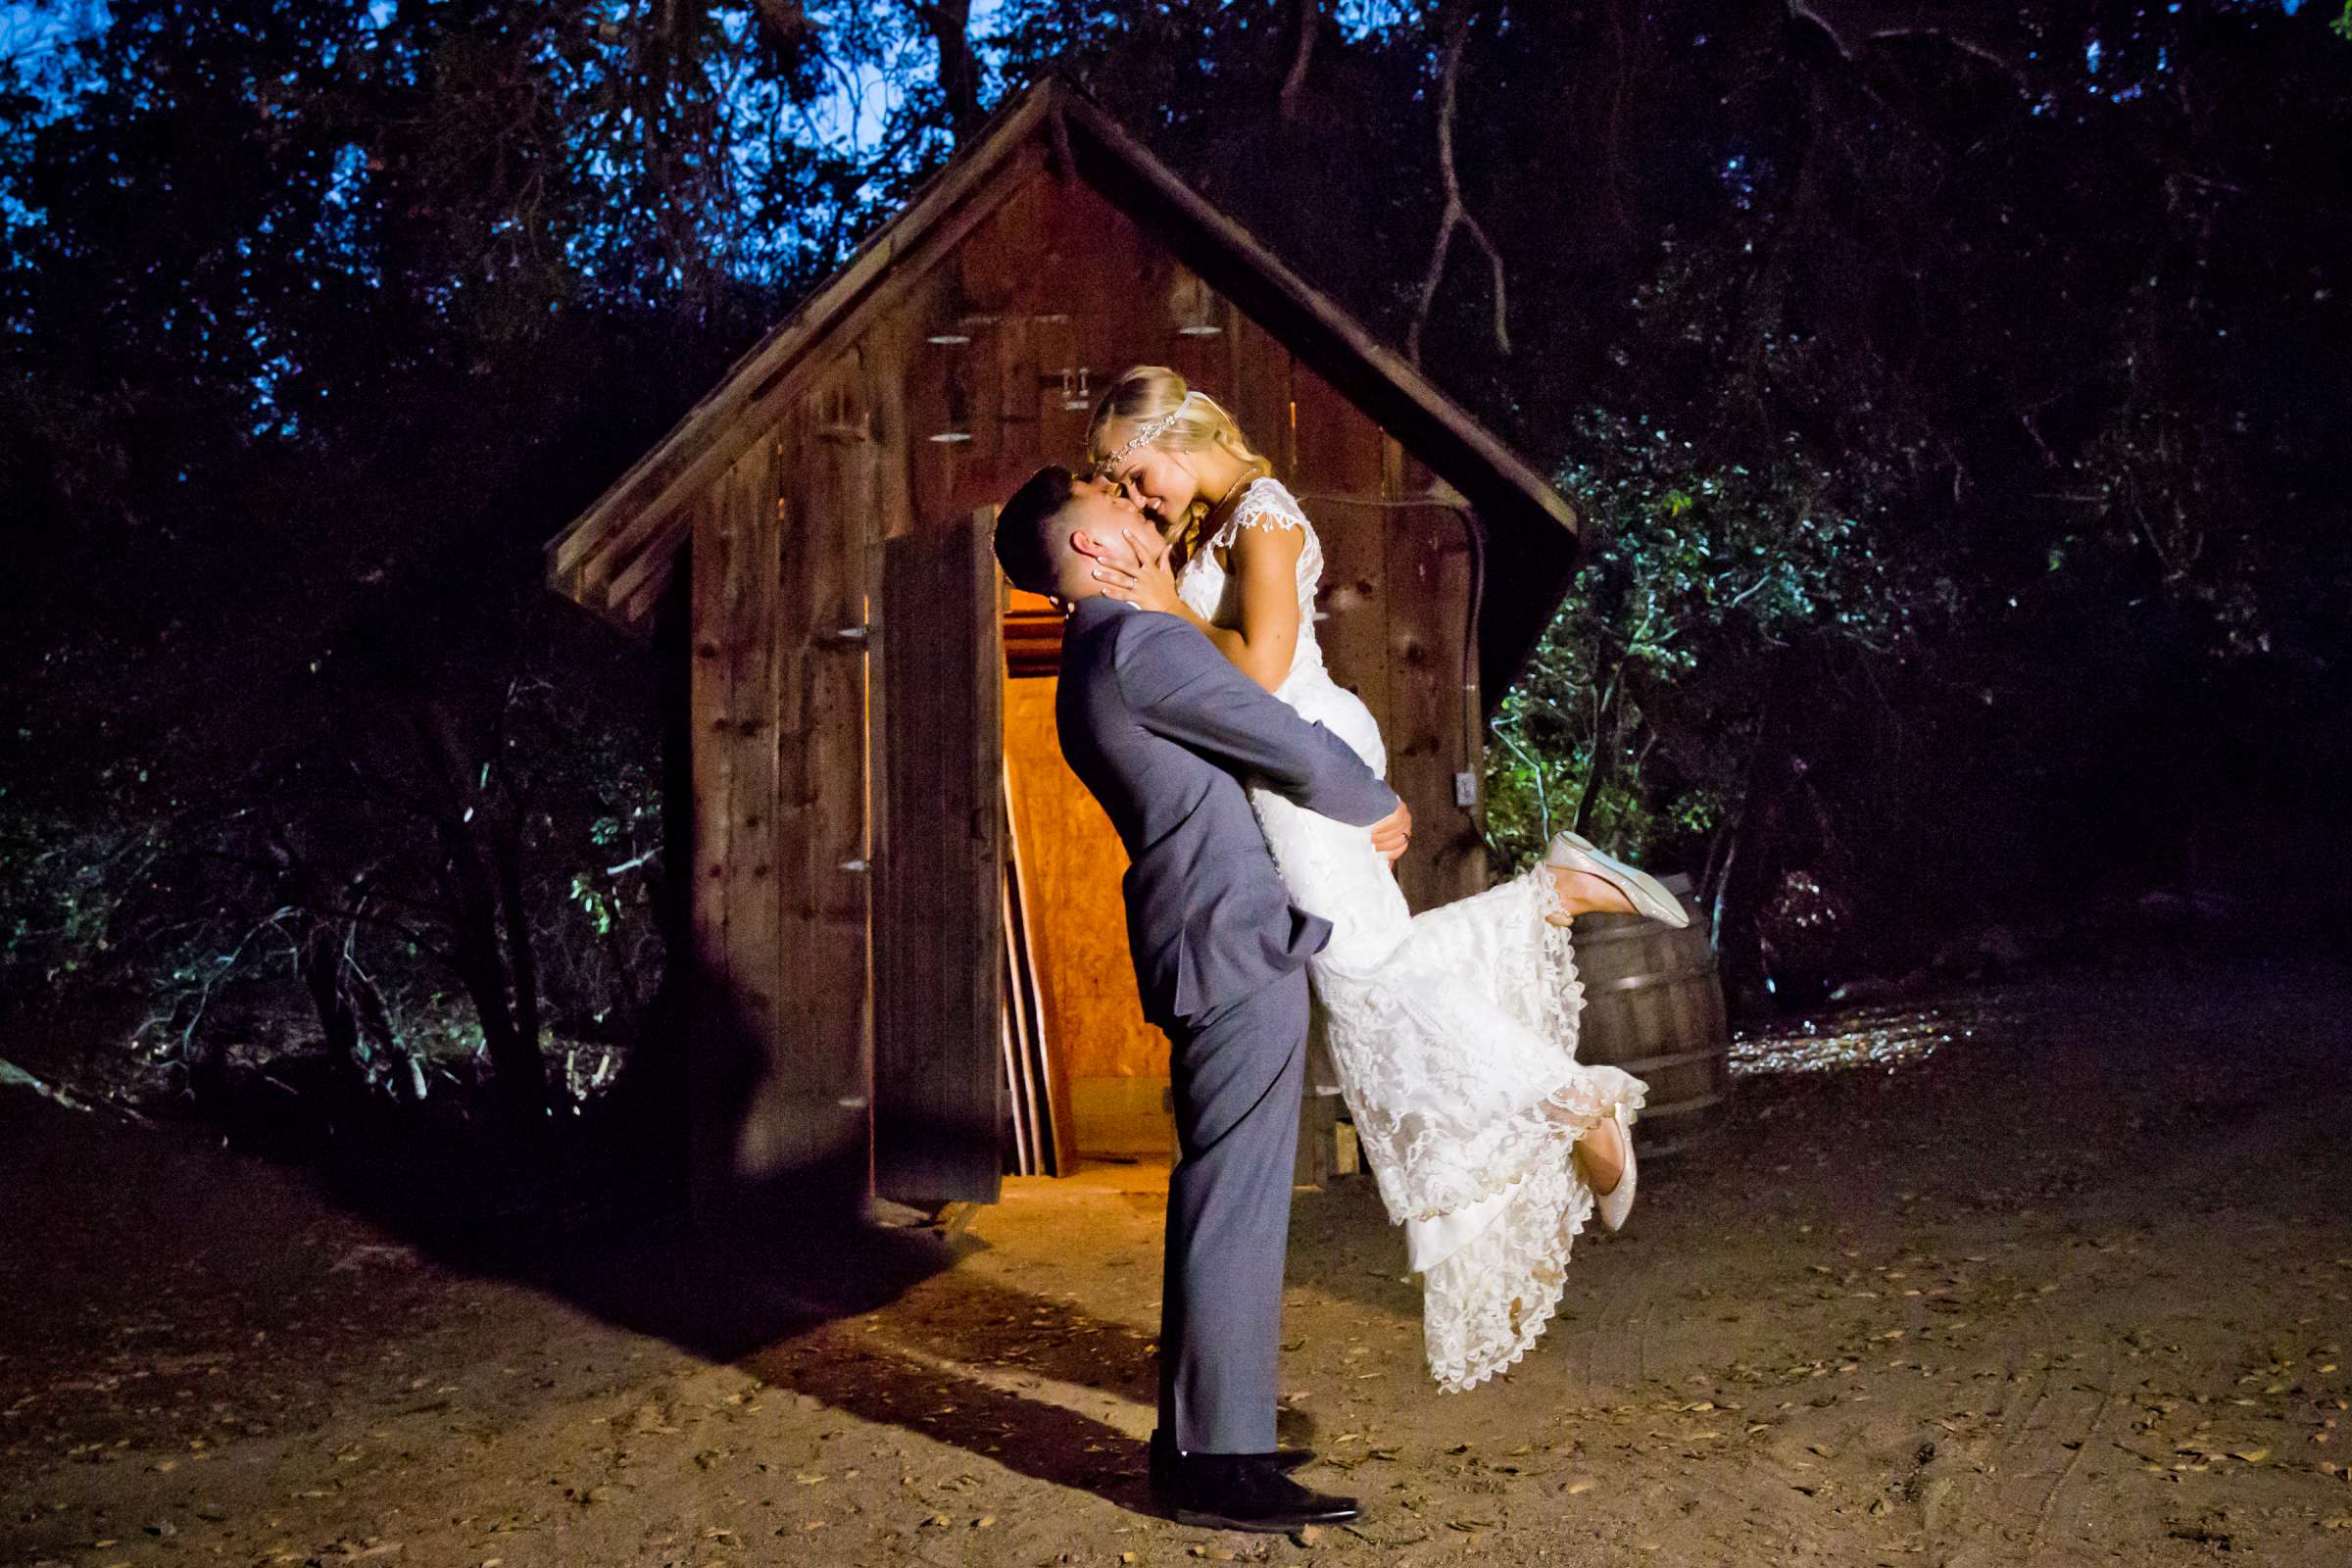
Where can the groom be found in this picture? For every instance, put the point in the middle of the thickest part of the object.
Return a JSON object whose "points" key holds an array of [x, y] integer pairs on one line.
{"points": [[1162, 729]]}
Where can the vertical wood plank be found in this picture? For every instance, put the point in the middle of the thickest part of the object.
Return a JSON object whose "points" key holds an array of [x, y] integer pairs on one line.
{"points": [[1061, 348], [1338, 448], [884, 360], [826, 926], [1419, 703], [1016, 384], [934, 378], [1466, 869], [666, 1062], [938, 963], [1339, 472], [984, 372], [1000, 261], [715, 1022], [1259, 383], [794, 652], [779, 1107], [749, 493], [1183, 301], [739, 1142], [1429, 583], [1025, 1042]]}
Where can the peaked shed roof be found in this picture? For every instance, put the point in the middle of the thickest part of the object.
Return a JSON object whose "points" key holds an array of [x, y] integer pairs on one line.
{"points": [[613, 557]]}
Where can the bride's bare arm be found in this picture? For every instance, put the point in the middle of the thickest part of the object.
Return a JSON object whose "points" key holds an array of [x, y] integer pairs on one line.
{"points": [[1264, 563]]}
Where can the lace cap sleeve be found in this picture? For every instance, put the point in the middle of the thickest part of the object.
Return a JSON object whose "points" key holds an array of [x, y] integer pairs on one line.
{"points": [[1264, 505]]}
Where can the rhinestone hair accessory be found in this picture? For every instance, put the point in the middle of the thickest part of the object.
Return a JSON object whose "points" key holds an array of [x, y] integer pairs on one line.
{"points": [[1148, 432]]}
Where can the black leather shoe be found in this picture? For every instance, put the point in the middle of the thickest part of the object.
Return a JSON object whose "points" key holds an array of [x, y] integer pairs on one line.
{"points": [[1283, 1459], [1241, 1491]]}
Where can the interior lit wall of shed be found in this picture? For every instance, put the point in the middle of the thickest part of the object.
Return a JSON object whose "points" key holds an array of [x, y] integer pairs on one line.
{"points": [[1115, 1064]]}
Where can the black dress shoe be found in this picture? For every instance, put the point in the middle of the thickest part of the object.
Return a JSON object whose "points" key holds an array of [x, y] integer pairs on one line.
{"points": [[1283, 1459], [1241, 1491]]}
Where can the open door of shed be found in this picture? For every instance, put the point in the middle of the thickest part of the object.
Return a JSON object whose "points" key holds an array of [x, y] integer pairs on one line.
{"points": [[939, 962]]}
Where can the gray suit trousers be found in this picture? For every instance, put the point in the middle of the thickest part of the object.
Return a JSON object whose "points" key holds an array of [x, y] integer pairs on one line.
{"points": [[1237, 1071]]}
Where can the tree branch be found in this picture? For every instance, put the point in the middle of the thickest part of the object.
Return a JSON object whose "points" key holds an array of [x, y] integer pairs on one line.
{"points": [[1800, 11], [1456, 214], [1306, 17], [949, 23], [1967, 46]]}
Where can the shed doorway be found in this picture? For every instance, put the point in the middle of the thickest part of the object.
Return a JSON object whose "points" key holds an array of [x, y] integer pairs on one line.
{"points": [[1105, 1070]]}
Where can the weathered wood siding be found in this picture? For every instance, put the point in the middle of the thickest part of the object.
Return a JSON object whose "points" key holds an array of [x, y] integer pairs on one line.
{"points": [[1058, 283], [815, 972], [782, 1061]]}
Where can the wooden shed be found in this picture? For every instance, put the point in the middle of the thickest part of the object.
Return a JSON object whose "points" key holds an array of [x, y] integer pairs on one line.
{"points": [[891, 869]]}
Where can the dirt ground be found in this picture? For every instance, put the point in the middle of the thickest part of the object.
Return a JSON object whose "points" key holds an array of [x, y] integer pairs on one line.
{"points": [[2070, 1289]]}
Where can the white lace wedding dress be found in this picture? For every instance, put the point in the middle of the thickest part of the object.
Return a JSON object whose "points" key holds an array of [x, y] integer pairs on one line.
{"points": [[1450, 1030]]}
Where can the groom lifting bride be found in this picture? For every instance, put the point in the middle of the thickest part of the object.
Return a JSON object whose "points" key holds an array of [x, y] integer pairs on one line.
{"points": [[1157, 724], [1246, 784]]}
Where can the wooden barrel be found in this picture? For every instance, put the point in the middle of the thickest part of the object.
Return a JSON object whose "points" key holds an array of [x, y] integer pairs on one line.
{"points": [[1653, 1007]]}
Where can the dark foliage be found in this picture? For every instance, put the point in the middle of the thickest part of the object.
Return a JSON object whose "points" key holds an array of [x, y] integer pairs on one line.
{"points": [[1956, 404]]}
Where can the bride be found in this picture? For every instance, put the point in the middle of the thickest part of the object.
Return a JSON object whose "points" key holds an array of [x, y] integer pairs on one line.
{"points": [[1453, 1031]]}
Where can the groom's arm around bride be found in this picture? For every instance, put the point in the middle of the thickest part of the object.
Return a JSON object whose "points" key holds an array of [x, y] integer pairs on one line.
{"points": [[1184, 690]]}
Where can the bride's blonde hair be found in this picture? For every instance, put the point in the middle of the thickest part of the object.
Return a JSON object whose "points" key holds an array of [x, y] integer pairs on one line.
{"points": [[1179, 418]]}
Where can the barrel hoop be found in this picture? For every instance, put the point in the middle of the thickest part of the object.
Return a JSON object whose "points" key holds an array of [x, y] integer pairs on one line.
{"points": [[1643, 982], [1683, 1142], [1682, 1059], [1640, 929], [1677, 1107]]}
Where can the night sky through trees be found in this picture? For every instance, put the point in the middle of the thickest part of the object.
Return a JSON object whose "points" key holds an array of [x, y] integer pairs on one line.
{"points": [[1940, 391]]}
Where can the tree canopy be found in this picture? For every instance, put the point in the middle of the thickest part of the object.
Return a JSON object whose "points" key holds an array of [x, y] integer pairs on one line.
{"points": [[1956, 396]]}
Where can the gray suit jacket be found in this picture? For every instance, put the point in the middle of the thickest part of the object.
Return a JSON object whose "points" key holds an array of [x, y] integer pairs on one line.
{"points": [[1163, 730]]}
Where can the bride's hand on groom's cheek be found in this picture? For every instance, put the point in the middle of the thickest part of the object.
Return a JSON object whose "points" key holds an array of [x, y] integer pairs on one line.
{"points": [[1140, 576]]}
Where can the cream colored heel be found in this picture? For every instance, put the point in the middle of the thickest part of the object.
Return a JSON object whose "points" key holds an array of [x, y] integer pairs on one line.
{"points": [[1645, 893], [1612, 1206]]}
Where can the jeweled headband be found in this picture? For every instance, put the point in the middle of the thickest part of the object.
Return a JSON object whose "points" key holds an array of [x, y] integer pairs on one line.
{"points": [[1145, 433]]}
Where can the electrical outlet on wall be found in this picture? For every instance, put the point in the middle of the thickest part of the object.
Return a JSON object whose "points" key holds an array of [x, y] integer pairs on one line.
{"points": [[1465, 790]]}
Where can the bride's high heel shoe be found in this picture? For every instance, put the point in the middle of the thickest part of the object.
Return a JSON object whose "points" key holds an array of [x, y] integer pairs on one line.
{"points": [[1613, 1205], [1645, 893]]}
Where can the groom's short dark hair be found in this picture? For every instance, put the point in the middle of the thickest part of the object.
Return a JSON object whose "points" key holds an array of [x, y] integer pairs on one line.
{"points": [[1023, 543]]}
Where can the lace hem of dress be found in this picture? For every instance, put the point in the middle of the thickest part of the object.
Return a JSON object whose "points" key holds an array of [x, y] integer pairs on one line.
{"points": [[1457, 1298], [1471, 1331], [1446, 1164], [1485, 1306]]}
